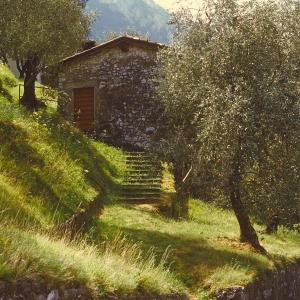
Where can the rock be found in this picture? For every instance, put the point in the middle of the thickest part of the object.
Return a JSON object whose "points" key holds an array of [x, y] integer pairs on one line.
{"points": [[149, 130], [26, 287], [70, 294], [83, 293], [40, 297], [53, 295], [38, 287]]}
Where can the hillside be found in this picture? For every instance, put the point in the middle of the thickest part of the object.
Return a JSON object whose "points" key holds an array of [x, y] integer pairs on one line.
{"points": [[144, 15], [62, 220], [54, 183]]}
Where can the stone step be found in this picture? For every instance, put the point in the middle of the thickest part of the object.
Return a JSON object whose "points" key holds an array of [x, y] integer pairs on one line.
{"points": [[138, 159], [140, 200], [141, 185], [139, 168], [143, 173], [143, 179], [141, 182], [144, 191], [143, 162], [148, 169]]}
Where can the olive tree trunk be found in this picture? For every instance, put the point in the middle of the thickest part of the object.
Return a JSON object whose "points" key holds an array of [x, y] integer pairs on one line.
{"points": [[247, 231], [29, 99]]}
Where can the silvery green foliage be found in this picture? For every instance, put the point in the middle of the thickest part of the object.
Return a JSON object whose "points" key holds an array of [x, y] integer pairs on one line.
{"points": [[109, 34], [49, 30], [229, 85]]}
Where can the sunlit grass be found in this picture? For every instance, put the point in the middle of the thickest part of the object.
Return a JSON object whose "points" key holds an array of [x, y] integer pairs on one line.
{"points": [[46, 158], [13, 89], [117, 265], [204, 248], [49, 170], [8, 83], [228, 275]]}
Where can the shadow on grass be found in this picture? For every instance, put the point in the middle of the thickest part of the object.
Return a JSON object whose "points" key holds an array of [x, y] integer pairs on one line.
{"points": [[100, 172], [79, 147], [6, 94], [23, 164], [12, 209], [25, 167], [193, 260]]}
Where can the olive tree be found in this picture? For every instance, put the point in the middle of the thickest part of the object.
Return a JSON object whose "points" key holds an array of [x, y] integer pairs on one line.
{"points": [[229, 87], [109, 34], [39, 33]]}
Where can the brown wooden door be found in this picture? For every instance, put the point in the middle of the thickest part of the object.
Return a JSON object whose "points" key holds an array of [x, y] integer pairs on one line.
{"points": [[84, 117]]}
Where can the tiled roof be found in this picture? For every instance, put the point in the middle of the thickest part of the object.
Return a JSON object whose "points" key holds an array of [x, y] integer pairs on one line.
{"points": [[112, 43]]}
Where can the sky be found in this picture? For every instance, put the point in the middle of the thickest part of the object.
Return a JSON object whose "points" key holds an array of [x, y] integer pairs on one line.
{"points": [[173, 4], [167, 4]]}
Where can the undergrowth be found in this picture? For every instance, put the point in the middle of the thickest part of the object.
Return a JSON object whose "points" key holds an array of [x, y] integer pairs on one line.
{"points": [[50, 171]]}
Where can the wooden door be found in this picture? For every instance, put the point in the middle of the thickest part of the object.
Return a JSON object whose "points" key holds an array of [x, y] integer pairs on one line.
{"points": [[84, 113]]}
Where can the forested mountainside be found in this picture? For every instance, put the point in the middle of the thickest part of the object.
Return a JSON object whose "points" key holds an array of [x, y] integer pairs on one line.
{"points": [[144, 15]]}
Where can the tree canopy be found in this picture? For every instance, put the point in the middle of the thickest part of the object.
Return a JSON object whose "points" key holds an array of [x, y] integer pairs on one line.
{"points": [[39, 33], [109, 34], [229, 86]]}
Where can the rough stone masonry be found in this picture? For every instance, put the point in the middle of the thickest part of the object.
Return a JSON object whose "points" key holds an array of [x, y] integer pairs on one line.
{"points": [[120, 73], [41, 290]]}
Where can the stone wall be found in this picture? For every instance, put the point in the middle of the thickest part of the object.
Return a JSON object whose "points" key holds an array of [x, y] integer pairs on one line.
{"points": [[284, 284], [123, 113], [32, 290]]}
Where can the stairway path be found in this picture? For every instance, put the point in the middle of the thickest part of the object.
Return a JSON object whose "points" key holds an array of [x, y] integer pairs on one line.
{"points": [[143, 179]]}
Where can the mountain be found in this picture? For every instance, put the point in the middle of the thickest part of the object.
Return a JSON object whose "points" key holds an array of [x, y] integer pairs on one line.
{"points": [[143, 15]]}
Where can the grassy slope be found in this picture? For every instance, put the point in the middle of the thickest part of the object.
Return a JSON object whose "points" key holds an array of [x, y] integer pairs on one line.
{"points": [[49, 171]]}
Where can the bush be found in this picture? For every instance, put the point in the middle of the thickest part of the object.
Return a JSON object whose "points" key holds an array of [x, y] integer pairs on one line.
{"points": [[7, 81]]}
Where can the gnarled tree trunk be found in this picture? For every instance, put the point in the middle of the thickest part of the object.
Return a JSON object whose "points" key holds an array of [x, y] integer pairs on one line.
{"points": [[21, 68], [247, 231], [29, 99]]}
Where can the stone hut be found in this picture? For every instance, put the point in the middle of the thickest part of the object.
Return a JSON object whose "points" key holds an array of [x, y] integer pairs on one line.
{"points": [[105, 90]]}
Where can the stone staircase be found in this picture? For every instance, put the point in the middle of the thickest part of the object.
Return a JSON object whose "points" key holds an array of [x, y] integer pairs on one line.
{"points": [[143, 179]]}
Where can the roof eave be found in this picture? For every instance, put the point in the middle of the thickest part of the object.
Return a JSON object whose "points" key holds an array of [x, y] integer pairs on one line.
{"points": [[112, 43]]}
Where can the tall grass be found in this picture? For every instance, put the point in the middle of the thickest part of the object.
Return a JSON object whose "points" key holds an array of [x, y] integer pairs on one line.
{"points": [[205, 251], [48, 172], [7, 83], [116, 265]]}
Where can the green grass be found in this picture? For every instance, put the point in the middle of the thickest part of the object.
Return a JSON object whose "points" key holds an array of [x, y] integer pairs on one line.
{"points": [[49, 171], [8, 84], [116, 266], [204, 249]]}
